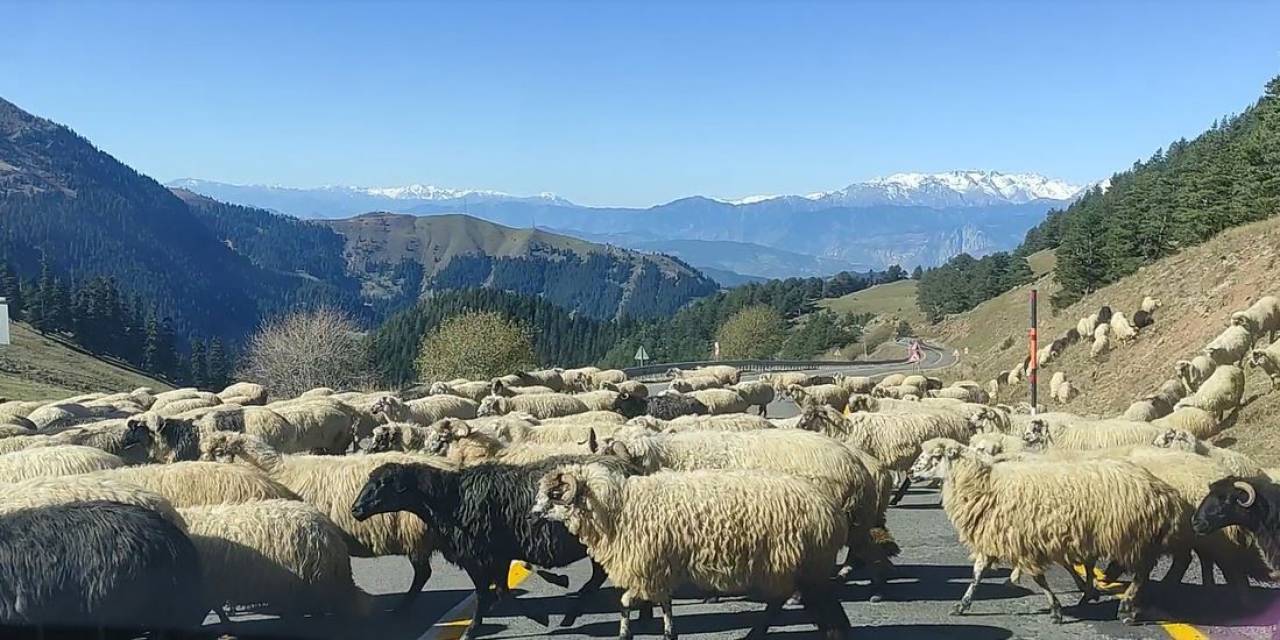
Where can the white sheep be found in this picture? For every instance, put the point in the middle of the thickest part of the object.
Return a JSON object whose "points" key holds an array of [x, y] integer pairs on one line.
{"points": [[686, 384], [1058, 378], [500, 388], [1233, 461], [1065, 392], [722, 422], [191, 483], [856, 384], [578, 379], [425, 411], [472, 390], [633, 388], [1261, 318], [244, 393], [757, 394], [318, 392], [1220, 393], [832, 395], [892, 380], [282, 552], [1269, 361], [46, 491], [1192, 373], [64, 460], [607, 376], [331, 484], [781, 380], [996, 444], [719, 401], [599, 400], [721, 531], [1084, 510], [1121, 329], [185, 405], [1086, 325], [547, 405], [1230, 347], [1150, 304], [1084, 434], [1101, 341], [1193, 420], [327, 429], [727, 375]]}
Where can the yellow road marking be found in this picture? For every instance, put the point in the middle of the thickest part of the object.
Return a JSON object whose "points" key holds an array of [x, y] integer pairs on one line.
{"points": [[455, 621], [1176, 630]]}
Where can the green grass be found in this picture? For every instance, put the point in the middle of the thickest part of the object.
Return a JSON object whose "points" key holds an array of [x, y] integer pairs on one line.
{"points": [[35, 367], [1042, 262], [893, 299]]}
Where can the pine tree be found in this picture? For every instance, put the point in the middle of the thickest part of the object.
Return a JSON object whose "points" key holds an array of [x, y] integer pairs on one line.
{"points": [[198, 368], [42, 316], [917, 273], [151, 356], [11, 289], [217, 368]]}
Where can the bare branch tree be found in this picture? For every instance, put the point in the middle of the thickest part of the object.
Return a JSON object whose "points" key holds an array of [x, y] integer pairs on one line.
{"points": [[307, 349]]}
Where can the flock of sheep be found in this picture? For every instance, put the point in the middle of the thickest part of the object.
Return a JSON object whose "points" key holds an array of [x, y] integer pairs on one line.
{"points": [[186, 502]]}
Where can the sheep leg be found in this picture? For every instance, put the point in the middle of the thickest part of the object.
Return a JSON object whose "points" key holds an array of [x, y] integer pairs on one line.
{"points": [[421, 573], [1088, 592], [1055, 607], [624, 616], [592, 585], [1128, 610], [828, 614], [668, 621], [485, 597], [980, 565], [771, 610], [902, 490]]}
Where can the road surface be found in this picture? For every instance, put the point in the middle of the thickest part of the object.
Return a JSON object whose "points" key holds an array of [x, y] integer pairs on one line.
{"points": [[928, 579]]}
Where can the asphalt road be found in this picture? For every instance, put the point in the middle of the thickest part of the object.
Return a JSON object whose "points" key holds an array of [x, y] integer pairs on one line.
{"points": [[928, 579]]}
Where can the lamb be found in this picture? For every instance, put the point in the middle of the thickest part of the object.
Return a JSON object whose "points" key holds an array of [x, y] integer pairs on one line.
{"points": [[892, 439], [480, 517], [720, 401], [1086, 325], [547, 405], [244, 394], [1231, 346], [1064, 393], [1058, 378], [695, 383], [62, 460], [1192, 373], [1121, 329], [99, 565], [1084, 435], [192, 483], [988, 505], [331, 484], [282, 552], [831, 466], [1261, 318], [1220, 393], [473, 391], [1146, 410], [425, 411], [855, 384], [1249, 504], [1150, 304], [1101, 341], [654, 533], [44, 492], [756, 394], [1234, 462], [1269, 361], [1196, 421]]}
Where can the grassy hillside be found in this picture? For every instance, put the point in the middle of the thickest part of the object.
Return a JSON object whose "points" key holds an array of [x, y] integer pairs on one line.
{"points": [[38, 368], [896, 299], [1200, 288]]}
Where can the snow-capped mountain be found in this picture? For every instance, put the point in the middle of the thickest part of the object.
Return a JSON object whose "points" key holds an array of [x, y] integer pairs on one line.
{"points": [[940, 190]]}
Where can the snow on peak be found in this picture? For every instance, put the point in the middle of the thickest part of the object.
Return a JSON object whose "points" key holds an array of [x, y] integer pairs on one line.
{"points": [[431, 192], [753, 199], [955, 188]]}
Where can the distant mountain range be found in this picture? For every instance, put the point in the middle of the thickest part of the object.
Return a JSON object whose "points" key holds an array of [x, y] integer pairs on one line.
{"points": [[908, 218]]}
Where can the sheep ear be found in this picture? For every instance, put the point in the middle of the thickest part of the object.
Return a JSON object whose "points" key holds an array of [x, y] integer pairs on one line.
{"points": [[1250, 494], [593, 445]]}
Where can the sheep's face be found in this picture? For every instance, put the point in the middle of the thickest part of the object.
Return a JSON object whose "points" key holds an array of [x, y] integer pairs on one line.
{"points": [[559, 495], [935, 459], [817, 417], [1230, 502], [988, 446], [982, 421], [861, 402], [438, 389], [1241, 319], [219, 447], [1177, 440], [493, 406], [388, 489], [1037, 435], [382, 406], [1257, 357], [385, 438], [137, 435], [441, 435]]}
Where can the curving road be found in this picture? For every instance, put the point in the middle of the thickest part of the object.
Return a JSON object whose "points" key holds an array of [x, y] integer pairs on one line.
{"points": [[929, 577]]}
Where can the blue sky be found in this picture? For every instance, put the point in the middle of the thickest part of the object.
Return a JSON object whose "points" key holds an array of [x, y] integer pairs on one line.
{"points": [[629, 103]]}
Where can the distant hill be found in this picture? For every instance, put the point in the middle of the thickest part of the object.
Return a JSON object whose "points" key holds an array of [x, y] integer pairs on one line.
{"points": [[460, 252], [36, 367], [905, 219], [1200, 288]]}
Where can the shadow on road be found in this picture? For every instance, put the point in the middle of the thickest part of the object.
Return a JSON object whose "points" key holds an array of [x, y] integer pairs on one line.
{"points": [[383, 623]]}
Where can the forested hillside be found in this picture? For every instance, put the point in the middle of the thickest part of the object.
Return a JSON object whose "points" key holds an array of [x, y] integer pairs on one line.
{"points": [[1180, 197]]}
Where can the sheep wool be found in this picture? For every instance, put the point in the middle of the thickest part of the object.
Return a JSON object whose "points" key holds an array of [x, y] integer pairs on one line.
{"points": [[1262, 318], [1231, 346], [685, 384], [43, 492], [720, 401], [1196, 421], [1219, 394], [191, 483], [63, 460], [244, 393], [541, 406], [1269, 361], [281, 552], [1192, 373]]}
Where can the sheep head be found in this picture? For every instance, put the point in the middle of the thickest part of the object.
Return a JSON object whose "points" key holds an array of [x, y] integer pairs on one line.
{"points": [[935, 457], [1257, 357], [439, 389], [1230, 501], [815, 416], [390, 488], [1038, 434], [558, 494], [494, 406], [221, 446], [388, 406], [1242, 319], [137, 435], [443, 433], [1178, 440], [387, 437], [987, 444], [796, 393]]}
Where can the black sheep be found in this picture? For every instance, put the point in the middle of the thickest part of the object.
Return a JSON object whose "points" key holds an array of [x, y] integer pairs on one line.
{"points": [[1142, 319], [1249, 504], [170, 439], [671, 406], [97, 564], [480, 518], [1104, 315]]}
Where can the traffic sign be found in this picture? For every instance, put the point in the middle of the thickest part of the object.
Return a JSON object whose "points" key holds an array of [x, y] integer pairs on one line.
{"points": [[641, 354]]}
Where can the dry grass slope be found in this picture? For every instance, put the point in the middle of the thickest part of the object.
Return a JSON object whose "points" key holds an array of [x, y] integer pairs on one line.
{"points": [[1199, 287], [37, 368]]}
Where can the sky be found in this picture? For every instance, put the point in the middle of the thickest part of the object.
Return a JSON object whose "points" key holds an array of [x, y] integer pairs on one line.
{"points": [[632, 103]]}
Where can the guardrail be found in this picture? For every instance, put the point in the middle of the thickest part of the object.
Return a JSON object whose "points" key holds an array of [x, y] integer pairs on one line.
{"points": [[660, 370]]}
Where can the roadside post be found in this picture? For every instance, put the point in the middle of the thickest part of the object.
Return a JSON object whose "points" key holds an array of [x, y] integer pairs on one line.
{"points": [[1034, 365], [4, 322]]}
